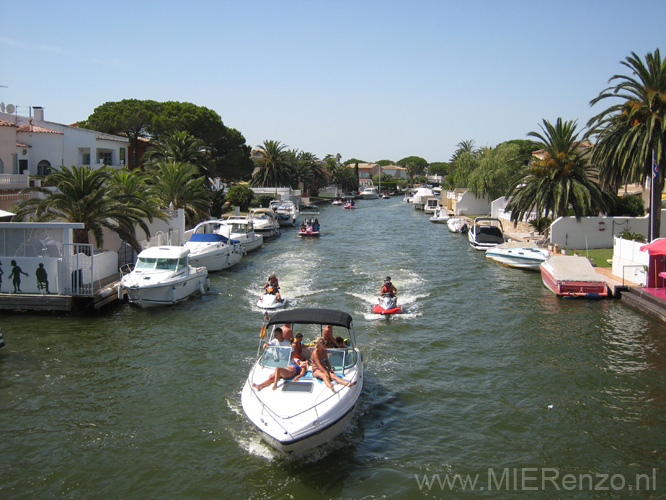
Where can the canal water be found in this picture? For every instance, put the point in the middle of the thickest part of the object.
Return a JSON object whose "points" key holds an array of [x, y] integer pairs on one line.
{"points": [[488, 385]]}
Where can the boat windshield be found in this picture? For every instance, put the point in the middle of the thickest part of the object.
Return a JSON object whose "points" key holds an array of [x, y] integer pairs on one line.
{"points": [[342, 359], [275, 356], [238, 228], [161, 264]]}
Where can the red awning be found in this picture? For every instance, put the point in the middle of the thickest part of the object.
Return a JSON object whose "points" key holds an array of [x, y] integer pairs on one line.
{"points": [[657, 247]]}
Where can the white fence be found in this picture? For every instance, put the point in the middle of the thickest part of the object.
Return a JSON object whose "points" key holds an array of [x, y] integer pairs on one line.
{"points": [[629, 262], [597, 232]]}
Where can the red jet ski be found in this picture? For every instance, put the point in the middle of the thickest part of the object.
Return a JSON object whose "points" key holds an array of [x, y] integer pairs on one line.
{"points": [[387, 305]]}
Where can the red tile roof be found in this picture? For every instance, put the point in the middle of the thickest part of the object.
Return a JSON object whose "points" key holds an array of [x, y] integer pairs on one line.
{"points": [[37, 129], [5, 123]]}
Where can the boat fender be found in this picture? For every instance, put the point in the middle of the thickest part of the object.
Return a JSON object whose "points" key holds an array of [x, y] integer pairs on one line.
{"points": [[173, 295], [121, 292], [202, 288]]}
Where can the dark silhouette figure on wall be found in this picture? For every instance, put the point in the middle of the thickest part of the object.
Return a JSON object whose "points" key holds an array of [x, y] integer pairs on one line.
{"points": [[16, 275], [42, 278]]}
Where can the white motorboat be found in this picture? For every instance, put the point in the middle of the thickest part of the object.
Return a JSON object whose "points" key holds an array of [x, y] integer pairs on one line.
{"points": [[386, 196], [486, 232], [162, 276], [265, 222], [242, 230], [409, 196], [441, 215], [457, 224], [420, 197], [518, 254], [431, 205], [337, 201], [370, 193], [212, 250], [286, 211], [302, 415]]}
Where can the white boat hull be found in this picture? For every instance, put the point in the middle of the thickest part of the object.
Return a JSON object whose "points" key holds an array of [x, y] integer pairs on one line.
{"points": [[520, 257], [145, 295], [294, 421], [215, 257]]}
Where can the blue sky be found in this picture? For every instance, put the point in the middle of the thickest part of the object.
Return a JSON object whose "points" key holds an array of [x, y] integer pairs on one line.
{"points": [[367, 79]]}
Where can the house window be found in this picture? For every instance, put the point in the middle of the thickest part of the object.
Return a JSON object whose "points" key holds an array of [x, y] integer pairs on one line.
{"points": [[23, 166], [122, 156], [105, 157], [85, 159], [43, 168]]}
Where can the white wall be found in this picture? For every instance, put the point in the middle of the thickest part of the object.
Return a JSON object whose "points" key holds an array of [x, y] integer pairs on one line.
{"points": [[469, 204], [567, 232], [174, 228], [629, 262]]}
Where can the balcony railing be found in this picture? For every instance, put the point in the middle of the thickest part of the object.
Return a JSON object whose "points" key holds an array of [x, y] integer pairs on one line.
{"points": [[14, 181]]}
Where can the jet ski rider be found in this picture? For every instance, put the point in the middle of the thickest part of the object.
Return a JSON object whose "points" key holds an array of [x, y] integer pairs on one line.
{"points": [[389, 289], [271, 286]]}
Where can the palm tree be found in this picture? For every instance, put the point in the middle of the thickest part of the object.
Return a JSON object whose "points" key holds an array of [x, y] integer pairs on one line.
{"points": [[181, 147], [560, 179], [176, 185], [309, 171], [274, 167], [83, 195], [632, 130], [130, 187], [467, 146]]}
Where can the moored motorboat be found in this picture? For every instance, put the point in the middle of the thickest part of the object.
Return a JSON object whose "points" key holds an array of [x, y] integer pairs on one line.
{"points": [[518, 254], [486, 232], [420, 197], [286, 211], [162, 276], [265, 222], [337, 201], [572, 276], [457, 224], [441, 216], [212, 250], [370, 193], [304, 414], [242, 230], [431, 205]]}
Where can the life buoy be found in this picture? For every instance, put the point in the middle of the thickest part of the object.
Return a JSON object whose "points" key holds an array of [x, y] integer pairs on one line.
{"points": [[602, 226]]}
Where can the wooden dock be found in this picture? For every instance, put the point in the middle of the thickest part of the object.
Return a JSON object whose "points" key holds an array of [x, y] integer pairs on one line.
{"points": [[652, 301]]}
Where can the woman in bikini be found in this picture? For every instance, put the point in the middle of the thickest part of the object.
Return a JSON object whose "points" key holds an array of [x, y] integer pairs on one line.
{"points": [[321, 366], [295, 369]]}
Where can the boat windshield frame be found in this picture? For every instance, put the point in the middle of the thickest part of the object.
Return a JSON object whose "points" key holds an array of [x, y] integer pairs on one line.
{"points": [[160, 263], [275, 356]]}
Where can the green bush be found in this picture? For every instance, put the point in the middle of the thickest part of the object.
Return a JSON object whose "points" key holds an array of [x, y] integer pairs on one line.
{"points": [[541, 225], [240, 195], [628, 235]]}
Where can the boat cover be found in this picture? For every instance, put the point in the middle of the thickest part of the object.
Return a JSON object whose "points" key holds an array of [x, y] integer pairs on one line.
{"points": [[572, 268], [312, 316], [488, 234], [209, 238]]}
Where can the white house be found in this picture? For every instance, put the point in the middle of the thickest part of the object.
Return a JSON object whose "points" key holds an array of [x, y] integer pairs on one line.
{"points": [[29, 145]]}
